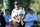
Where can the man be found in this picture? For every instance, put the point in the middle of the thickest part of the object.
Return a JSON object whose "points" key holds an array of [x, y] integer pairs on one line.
{"points": [[7, 16], [10, 23], [17, 15], [2, 20], [30, 17]]}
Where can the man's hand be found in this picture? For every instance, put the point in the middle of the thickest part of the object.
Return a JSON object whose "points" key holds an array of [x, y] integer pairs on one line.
{"points": [[19, 21]]}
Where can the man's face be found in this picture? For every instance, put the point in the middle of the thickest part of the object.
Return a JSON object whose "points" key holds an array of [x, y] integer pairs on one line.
{"points": [[31, 11], [7, 12], [17, 5]]}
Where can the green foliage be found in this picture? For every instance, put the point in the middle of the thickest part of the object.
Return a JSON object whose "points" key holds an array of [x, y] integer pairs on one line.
{"points": [[36, 5], [1, 1], [39, 18]]}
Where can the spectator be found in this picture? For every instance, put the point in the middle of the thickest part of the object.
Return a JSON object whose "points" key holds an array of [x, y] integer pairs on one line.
{"points": [[2, 20], [30, 17], [35, 24], [10, 23], [7, 16]]}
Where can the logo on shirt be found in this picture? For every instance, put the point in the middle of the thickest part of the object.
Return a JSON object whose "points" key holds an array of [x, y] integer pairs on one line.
{"points": [[29, 18]]}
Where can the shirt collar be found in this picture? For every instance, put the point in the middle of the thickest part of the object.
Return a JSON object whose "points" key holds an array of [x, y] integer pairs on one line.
{"points": [[16, 9], [30, 13], [7, 15]]}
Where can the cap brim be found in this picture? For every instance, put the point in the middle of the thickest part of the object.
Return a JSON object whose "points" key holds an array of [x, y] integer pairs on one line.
{"points": [[16, 3]]}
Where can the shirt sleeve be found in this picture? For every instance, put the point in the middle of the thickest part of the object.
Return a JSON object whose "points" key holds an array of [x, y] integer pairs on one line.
{"points": [[36, 18], [27, 19], [12, 14], [23, 11]]}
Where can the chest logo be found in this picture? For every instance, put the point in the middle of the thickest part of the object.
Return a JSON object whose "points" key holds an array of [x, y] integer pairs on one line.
{"points": [[29, 18]]}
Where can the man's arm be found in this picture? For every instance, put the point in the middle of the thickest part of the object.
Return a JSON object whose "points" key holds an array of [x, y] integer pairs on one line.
{"points": [[23, 12], [23, 16], [36, 19], [15, 20], [13, 15]]}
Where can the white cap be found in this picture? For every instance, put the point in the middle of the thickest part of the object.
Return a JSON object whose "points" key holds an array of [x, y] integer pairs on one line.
{"points": [[16, 2], [31, 8], [10, 20]]}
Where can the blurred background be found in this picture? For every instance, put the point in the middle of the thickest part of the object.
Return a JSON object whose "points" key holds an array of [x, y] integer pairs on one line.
{"points": [[9, 4]]}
